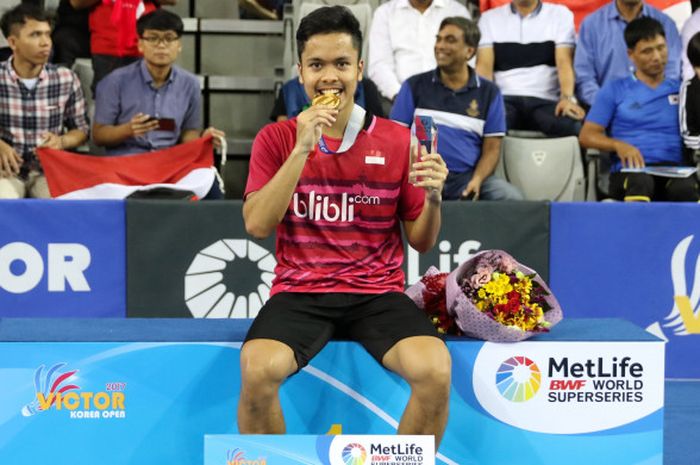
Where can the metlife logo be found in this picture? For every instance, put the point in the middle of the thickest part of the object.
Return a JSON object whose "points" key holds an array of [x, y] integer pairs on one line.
{"points": [[569, 388], [63, 259]]}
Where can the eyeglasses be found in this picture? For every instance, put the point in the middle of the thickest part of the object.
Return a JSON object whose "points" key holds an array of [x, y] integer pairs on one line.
{"points": [[156, 40]]}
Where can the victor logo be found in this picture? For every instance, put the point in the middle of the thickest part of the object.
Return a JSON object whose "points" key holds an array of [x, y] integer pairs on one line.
{"points": [[684, 318], [317, 207]]}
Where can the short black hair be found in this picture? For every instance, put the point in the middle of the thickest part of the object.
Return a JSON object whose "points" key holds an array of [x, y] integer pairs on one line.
{"points": [[160, 20], [327, 20], [643, 28], [471, 31], [19, 15], [693, 50]]}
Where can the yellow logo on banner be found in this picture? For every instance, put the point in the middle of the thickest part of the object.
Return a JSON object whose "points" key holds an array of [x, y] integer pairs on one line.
{"points": [[684, 318], [691, 322], [336, 428], [89, 400]]}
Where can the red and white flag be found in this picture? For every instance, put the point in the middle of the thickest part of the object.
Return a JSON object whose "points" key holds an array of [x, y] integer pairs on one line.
{"points": [[187, 166]]}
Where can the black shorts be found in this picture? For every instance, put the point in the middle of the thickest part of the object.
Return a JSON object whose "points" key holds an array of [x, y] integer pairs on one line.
{"points": [[306, 322]]}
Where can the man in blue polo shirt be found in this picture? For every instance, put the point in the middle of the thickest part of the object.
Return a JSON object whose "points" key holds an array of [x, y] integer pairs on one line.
{"points": [[150, 104], [468, 111], [601, 54], [636, 118]]}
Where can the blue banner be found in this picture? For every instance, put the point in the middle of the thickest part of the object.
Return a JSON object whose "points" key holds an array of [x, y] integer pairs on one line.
{"points": [[151, 403], [62, 258], [638, 262]]}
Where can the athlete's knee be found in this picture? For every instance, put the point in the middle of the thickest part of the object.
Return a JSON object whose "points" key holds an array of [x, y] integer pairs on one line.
{"points": [[431, 370], [265, 365]]}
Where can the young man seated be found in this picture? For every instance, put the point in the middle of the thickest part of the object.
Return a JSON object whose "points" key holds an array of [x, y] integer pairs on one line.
{"points": [[40, 104], [339, 266], [636, 119], [150, 104]]}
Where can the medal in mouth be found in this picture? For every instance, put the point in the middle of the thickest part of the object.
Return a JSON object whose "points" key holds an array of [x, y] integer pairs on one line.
{"points": [[327, 98]]}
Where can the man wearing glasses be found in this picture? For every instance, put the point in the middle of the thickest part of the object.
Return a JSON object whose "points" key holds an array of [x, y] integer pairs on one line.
{"points": [[113, 40], [150, 104]]}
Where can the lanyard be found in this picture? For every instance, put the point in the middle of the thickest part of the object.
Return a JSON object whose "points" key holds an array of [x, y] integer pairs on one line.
{"points": [[357, 119]]}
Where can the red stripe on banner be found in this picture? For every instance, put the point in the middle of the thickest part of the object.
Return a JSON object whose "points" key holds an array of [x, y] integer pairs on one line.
{"points": [[61, 378], [67, 172]]}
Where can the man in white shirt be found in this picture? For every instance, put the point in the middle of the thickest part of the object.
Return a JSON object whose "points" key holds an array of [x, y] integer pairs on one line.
{"points": [[527, 48], [690, 28], [402, 37]]}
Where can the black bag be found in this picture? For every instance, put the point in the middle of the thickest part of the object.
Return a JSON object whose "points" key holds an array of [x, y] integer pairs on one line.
{"points": [[164, 193]]}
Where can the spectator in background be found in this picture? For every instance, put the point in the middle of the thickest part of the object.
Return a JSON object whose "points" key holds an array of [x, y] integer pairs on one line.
{"points": [[527, 48], [6, 5], [40, 104], [401, 40], [469, 143], [690, 28], [113, 39], [601, 52], [150, 104], [262, 9], [636, 118], [71, 36], [690, 98], [292, 99]]}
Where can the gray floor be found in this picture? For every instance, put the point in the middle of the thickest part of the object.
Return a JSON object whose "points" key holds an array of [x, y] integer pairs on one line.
{"points": [[682, 423]]}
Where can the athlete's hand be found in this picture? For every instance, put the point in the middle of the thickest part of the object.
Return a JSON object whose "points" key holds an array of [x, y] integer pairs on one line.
{"points": [[310, 123], [430, 173]]}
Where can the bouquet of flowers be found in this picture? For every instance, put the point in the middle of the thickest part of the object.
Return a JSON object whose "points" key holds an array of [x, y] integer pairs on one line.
{"points": [[490, 296], [429, 295]]}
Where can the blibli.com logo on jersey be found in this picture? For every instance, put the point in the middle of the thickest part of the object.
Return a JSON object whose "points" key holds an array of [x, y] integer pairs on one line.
{"points": [[318, 207]]}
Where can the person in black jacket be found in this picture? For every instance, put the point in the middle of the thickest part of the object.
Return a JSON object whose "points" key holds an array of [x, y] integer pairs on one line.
{"points": [[690, 99]]}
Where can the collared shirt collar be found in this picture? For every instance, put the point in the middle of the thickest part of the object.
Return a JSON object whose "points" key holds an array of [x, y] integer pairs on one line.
{"points": [[614, 13], [535, 12], [436, 3], [472, 83], [146, 75], [16, 78]]}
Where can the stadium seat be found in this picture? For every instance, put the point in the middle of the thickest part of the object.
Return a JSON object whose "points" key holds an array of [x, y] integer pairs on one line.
{"points": [[362, 9], [188, 58], [598, 173], [543, 168], [181, 8], [216, 9], [240, 106], [241, 47], [82, 67]]}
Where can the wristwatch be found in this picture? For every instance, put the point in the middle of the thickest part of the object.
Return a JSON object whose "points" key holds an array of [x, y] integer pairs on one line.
{"points": [[570, 98]]}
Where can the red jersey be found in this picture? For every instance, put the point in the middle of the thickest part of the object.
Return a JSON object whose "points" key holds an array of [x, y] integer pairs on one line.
{"points": [[342, 231], [114, 33]]}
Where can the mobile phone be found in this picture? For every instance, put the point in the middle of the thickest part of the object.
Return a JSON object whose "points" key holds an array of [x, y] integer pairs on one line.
{"points": [[164, 124]]}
